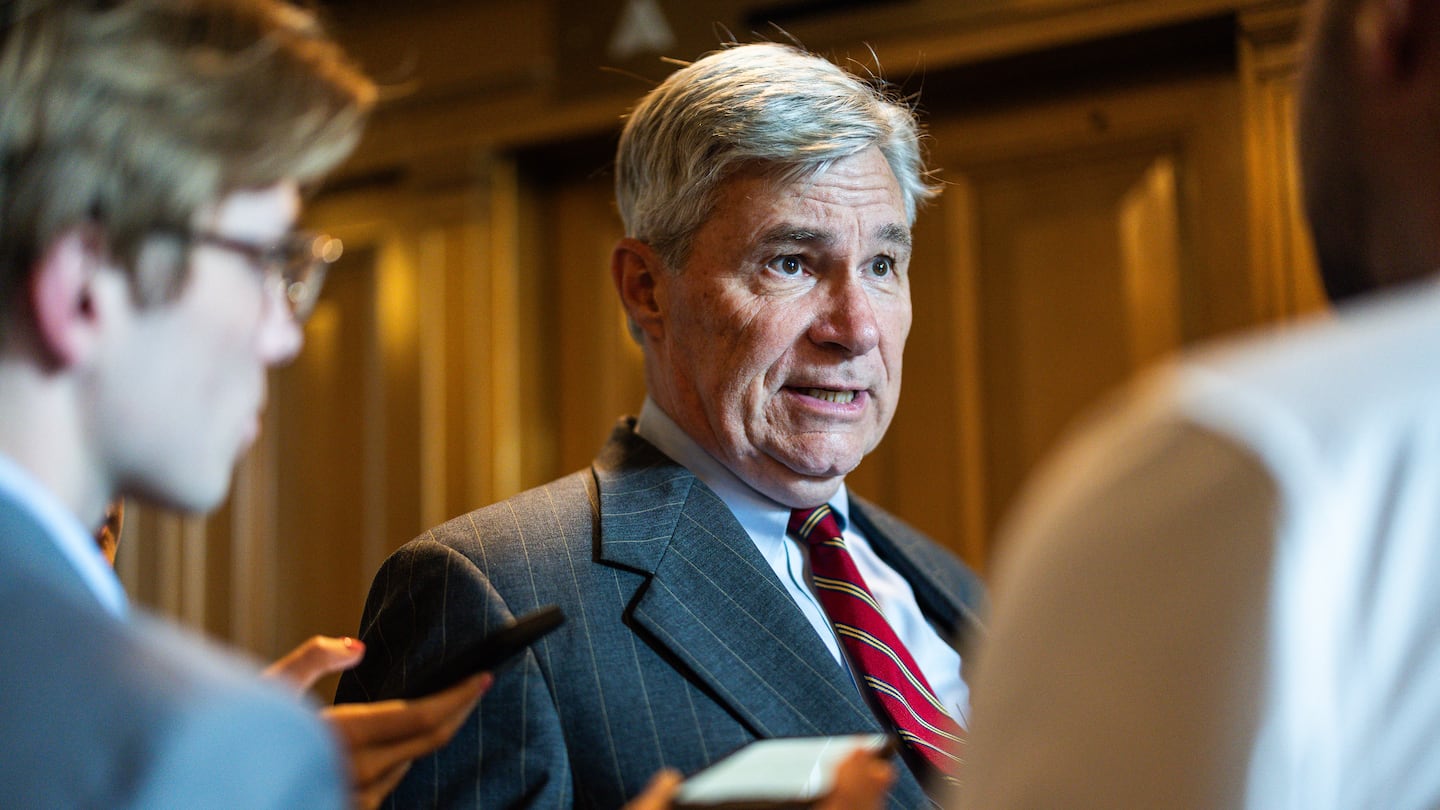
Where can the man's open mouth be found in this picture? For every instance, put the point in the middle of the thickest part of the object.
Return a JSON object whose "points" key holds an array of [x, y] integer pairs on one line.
{"points": [[829, 395]]}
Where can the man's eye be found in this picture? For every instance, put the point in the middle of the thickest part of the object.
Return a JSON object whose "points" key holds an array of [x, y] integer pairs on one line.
{"points": [[881, 266], [787, 265]]}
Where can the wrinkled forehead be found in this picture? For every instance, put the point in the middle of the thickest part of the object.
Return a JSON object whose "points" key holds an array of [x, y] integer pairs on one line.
{"points": [[797, 177], [862, 181]]}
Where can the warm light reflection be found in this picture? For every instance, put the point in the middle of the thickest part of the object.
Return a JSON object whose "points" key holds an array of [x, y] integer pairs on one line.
{"points": [[396, 305], [1150, 263], [322, 338]]}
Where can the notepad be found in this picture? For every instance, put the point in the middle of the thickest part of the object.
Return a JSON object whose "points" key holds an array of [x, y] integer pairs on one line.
{"points": [[774, 773]]}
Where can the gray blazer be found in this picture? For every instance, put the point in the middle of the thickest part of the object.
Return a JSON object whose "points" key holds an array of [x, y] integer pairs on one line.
{"points": [[100, 712], [681, 645]]}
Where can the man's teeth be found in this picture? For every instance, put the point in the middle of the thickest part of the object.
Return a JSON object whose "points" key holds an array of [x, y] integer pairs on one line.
{"points": [[826, 394]]}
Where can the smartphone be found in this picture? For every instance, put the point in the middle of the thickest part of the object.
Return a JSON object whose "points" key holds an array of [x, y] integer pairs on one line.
{"points": [[492, 651], [783, 772]]}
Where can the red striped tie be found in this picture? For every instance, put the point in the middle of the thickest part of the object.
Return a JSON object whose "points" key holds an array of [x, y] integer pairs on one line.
{"points": [[872, 646]]}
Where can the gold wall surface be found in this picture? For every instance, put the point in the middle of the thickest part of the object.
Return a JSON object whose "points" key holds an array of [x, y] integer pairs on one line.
{"points": [[1119, 184]]}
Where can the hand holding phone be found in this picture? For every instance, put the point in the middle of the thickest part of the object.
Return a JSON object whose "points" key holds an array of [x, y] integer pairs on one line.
{"points": [[494, 650]]}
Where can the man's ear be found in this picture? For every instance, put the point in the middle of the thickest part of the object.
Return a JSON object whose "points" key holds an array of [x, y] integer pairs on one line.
{"points": [[63, 297], [638, 274]]}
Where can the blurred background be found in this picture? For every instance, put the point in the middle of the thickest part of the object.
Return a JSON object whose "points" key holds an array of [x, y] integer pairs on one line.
{"points": [[1119, 182]]}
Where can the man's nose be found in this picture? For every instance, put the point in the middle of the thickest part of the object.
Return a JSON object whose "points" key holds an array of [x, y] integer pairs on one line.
{"points": [[846, 316]]}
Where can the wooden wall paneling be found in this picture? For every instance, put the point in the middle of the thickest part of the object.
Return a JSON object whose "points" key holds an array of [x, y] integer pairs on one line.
{"points": [[1150, 263], [158, 565], [1089, 237], [251, 575], [536, 335], [511, 341], [599, 375], [182, 565], [205, 547], [442, 372], [962, 240], [550, 76], [1287, 282], [454, 74], [394, 476], [382, 287], [142, 560], [922, 35], [328, 410], [474, 354], [454, 234], [1053, 317]]}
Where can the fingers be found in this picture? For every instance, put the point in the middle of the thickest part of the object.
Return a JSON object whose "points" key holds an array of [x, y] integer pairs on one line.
{"points": [[373, 765], [862, 781], [383, 738], [315, 658], [391, 720], [659, 793], [372, 795]]}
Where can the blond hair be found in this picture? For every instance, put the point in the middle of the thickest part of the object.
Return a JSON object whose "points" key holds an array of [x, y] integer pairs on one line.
{"points": [[134, 114]]}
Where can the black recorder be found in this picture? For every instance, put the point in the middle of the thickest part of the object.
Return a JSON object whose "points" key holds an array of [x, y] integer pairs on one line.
{"points": [[492, 651]]}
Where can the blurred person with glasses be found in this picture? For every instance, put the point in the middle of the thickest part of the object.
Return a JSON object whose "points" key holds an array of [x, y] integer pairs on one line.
{"points": [[295, 265], [151, 156]]}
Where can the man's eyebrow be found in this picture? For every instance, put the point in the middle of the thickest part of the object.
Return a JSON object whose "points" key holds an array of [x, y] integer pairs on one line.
{"points": [[898, 234], [788, 234]]}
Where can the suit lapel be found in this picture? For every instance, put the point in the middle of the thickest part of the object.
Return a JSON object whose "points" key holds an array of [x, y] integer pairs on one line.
{"points": [[713, 602]]}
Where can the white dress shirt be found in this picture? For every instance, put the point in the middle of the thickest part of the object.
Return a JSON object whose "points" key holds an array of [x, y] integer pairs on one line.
{"points": [[60, 525], [766, 522], [1226, 593]]}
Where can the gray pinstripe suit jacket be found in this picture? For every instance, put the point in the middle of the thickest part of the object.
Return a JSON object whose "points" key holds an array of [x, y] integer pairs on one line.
{"points": [[681, 644]]}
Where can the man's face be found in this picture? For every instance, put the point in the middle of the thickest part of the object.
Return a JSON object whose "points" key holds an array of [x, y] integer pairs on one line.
{"points": [[782, 335], [184, 386]]}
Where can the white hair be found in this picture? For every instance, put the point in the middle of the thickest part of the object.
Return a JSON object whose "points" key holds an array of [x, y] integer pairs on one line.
{"points": [[766, 104]]}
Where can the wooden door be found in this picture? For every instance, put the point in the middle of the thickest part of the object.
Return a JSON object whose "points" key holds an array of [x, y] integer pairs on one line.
{"points": [[1077, 240]]}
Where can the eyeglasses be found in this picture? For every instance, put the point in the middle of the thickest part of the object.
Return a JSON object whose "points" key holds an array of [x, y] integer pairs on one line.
{"points": [[296, 264]]}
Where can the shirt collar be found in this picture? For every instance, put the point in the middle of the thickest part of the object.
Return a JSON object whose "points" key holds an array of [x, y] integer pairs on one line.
{"points": [[77, 545], [759, 514]]}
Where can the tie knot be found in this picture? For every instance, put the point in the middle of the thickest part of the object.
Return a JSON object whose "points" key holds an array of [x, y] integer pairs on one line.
{"points": [[816, 525]]}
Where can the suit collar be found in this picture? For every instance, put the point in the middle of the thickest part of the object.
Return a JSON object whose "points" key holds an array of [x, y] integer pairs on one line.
{"points": [[34, 511], [641, 495], [29, 554]]}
